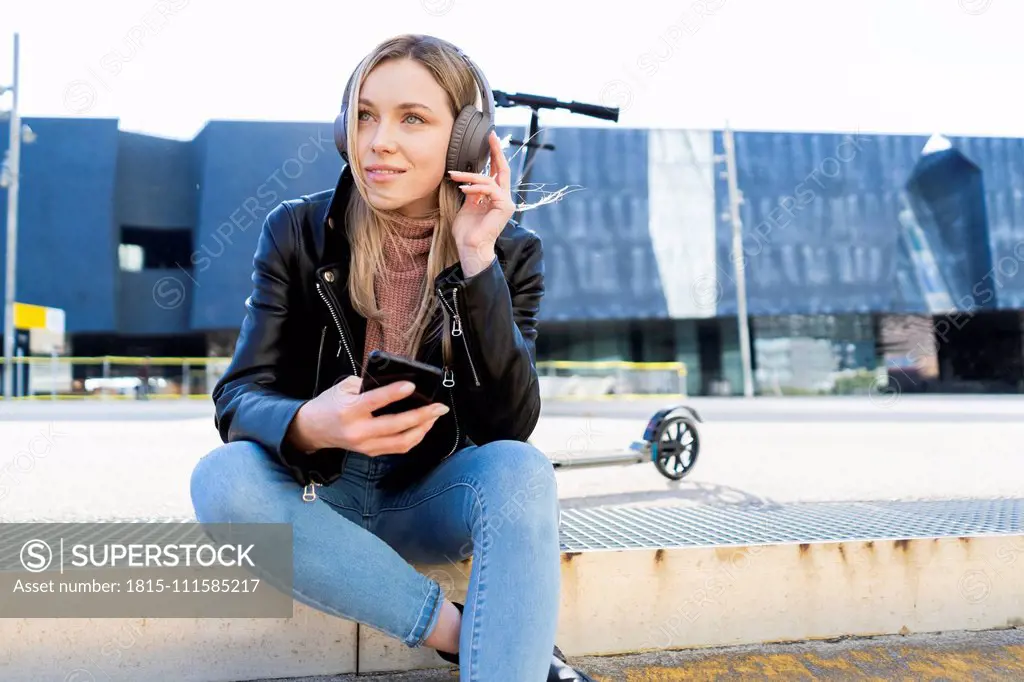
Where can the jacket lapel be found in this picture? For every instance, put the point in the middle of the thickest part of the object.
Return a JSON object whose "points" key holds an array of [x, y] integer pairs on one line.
{"points": [[334, 259]]}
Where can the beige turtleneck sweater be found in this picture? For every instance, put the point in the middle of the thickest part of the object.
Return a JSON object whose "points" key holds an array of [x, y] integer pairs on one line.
{"points": [[399, 289]]}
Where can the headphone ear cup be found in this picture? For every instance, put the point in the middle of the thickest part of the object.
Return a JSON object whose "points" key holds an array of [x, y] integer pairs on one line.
{"points": [[455, 160], [340, 135], [476, 148]]}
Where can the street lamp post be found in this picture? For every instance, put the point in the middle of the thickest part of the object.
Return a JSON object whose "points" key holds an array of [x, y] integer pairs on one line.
{"points": [[738, 261], [11, 170]]}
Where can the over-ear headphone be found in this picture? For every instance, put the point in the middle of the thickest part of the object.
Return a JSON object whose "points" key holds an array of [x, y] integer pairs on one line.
{"points": [[468, 147]]}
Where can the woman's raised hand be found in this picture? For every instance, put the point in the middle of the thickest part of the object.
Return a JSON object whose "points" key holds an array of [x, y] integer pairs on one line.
{"points": [[341, 417], [485, 212]]}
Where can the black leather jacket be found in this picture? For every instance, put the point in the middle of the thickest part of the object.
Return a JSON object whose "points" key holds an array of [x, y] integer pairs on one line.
{"points": [[301, 335]]}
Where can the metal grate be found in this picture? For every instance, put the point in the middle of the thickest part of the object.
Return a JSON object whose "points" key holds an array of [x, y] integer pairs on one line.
{"points": [[652, 527], [688, 526], [13, 536]]}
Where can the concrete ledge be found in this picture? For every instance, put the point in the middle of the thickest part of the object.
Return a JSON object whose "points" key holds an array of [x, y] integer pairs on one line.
{"points": [[613, 602], [719, 596], [186, 649]]}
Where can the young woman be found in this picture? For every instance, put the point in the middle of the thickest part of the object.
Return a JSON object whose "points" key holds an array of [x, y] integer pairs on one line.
{"points": [[413, 253]]}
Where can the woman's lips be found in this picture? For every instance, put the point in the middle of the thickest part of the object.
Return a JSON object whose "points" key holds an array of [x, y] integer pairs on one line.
{"points": [[383, 175]]}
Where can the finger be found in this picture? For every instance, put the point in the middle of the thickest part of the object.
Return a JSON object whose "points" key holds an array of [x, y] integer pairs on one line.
{"points": [[398, 443], [500, 197], [502, 174], [475, 178], [477, 195], [494, 147], [385, 395], [391, 424]]}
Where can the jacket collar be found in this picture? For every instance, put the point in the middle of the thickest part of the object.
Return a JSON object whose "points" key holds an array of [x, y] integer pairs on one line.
{"points": [[328, 233], [335, 215]]}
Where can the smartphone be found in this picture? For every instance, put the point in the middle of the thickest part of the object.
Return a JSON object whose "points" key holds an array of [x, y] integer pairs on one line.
{"points": [[386, 368]]}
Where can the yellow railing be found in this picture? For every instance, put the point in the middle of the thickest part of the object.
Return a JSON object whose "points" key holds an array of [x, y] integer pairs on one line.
{"points": [[610, 379], [116, 377], [186, 378], [118, 360], [678, 367]]}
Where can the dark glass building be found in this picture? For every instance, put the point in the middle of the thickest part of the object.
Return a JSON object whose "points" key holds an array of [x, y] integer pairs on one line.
{"points": [[862, 253]]}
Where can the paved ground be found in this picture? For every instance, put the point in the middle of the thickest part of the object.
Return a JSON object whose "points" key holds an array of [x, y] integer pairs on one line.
{"points": [[949, 657], [77, 461]]}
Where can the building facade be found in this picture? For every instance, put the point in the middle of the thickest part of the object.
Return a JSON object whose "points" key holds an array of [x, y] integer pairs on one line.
{"points": [[862, 253]]}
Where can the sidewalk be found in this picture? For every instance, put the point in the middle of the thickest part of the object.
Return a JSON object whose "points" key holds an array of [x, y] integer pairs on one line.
{"points": [[951, 657]]}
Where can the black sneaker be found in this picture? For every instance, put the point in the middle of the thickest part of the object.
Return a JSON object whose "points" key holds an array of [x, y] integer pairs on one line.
{"points": [[560, 670]]}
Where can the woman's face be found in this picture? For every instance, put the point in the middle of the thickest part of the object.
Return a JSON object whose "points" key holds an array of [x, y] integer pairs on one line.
{"points": [[404, 126]]}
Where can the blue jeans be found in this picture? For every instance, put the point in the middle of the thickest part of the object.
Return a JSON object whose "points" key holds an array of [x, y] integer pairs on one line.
{"points": [[354, 546]]}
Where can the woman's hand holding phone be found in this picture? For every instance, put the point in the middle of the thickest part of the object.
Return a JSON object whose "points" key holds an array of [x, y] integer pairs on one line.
{"points": [[341, 417]]}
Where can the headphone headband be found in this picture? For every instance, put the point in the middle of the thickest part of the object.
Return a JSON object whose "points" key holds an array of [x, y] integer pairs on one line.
{"points": [[483, 86]]}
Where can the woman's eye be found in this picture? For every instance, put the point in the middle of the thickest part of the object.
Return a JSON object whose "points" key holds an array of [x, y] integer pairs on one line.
{"points": [[409, 118]]}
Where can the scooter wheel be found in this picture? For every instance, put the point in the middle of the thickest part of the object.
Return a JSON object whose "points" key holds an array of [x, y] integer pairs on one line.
{"points": [[675, 447]]}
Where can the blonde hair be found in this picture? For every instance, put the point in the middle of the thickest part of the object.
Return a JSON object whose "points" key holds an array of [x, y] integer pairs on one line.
{"points": [[368, 227]]}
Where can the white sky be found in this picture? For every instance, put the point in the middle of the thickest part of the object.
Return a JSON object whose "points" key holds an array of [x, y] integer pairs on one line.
{"points": [[917, 66]]}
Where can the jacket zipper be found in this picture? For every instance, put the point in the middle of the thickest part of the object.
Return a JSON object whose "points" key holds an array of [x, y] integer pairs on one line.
{"points": [[309, 491], [457, 329], [319, 356], [449, 382], [341, 332]]}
